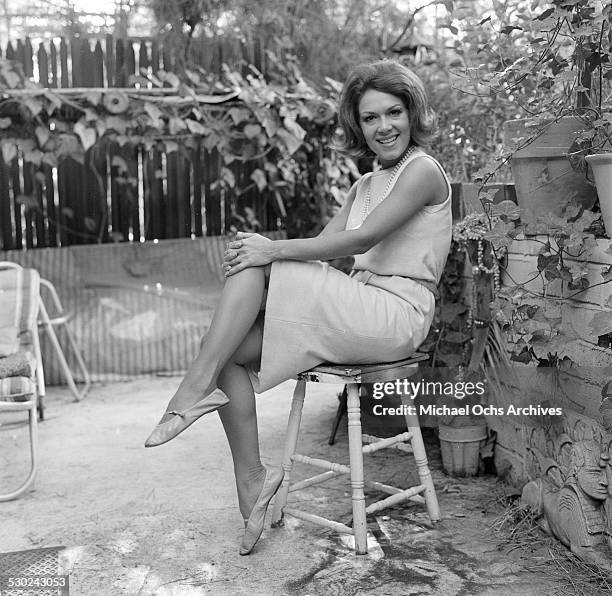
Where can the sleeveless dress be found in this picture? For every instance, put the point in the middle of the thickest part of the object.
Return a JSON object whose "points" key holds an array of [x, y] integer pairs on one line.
{"points": [[380, 313]]}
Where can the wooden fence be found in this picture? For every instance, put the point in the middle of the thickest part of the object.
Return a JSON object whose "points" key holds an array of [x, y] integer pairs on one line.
{"points": [[110, 62], [166, 196], [161, 196]]}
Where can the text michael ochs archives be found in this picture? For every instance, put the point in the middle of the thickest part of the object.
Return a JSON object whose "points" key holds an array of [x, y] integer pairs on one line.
{"points": [[457, 389]]}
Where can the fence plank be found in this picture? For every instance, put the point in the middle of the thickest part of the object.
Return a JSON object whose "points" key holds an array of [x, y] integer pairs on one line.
{"points": [[119, 220], [94, 196], [39, 216], [143, 56], [109, 60], [53, 59], [20, 53], [50, 210], [88, 67], [6, 218], [71, 217], [64, 63], [101, 165], [10, 51], [43, 65], [153, 194], [130, 61], [28, 61], [15, 181], [131, 156], [124, 194], [76, 57], [154, 56], [98, 65], [120, 78], [30, 212], [181, 214], [63, 221], [197, 208], [167, 57], [213, 196], [172, 215]]}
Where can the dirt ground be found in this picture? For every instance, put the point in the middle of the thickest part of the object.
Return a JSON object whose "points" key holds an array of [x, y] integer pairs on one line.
{"points": [[165, 521]]}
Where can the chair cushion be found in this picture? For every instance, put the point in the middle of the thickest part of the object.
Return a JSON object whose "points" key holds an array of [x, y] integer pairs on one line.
{"points": [[9, 340], [19, 298], [16, 389], [20, 364]]}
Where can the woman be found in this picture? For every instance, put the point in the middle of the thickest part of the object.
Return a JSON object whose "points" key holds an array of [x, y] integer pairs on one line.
{"points": [[283, 311]]}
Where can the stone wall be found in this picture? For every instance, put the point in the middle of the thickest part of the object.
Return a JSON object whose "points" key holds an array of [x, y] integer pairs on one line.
{"points": [[576, 388]]}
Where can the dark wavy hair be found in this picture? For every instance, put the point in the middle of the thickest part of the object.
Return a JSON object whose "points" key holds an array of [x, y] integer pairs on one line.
{"points": [[390, 77]]}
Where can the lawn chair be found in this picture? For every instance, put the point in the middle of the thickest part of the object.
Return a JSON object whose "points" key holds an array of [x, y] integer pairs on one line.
{"points": [[49, 319], [20, 374]]}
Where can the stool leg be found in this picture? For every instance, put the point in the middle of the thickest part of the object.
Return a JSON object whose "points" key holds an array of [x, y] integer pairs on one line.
{"points": [[293, 428], [420, 457], [340, 412], [356, 463]]}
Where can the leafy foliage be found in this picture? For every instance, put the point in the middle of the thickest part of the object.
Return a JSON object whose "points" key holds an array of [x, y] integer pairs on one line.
{"points": [[282, 128], [534, 60], [530, 310]]}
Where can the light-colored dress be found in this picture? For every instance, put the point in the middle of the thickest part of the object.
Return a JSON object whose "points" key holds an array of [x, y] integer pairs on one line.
{"points": [[315, 313]]}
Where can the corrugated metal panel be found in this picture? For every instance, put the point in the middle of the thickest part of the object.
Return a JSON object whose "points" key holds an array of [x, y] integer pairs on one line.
{"points": [[137, 308]]}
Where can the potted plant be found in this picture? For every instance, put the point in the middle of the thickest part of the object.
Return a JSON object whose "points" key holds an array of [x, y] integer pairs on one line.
{"points": [[461, 438], [460, 335], [597, 142], [553, 66]]}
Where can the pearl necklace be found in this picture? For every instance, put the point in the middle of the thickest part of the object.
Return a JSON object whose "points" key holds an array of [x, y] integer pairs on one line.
{"points": [[394, 173]]}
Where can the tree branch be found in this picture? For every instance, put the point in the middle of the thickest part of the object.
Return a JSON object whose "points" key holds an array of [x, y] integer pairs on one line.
{"points": [[410, 21]]}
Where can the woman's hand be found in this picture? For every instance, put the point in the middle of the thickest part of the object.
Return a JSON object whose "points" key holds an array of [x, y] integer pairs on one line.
{"points": [[247, 250]]}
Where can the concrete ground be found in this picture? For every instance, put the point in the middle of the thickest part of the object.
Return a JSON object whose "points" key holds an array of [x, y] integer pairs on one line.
{"points": [[165, 521]]}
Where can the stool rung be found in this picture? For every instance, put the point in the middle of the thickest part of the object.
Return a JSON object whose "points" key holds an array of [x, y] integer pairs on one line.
{"points": [[391, 490], [395, 499], [384, 443], [359, 444], [323, 477], [321, 463], [317, 519], [407, 447]]}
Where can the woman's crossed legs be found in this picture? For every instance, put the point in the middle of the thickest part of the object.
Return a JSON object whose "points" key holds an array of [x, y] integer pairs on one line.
{"points": [[233, 341]]}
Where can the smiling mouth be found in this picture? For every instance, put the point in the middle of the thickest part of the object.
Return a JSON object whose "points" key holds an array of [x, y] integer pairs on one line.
{"points": [[388, 140]]}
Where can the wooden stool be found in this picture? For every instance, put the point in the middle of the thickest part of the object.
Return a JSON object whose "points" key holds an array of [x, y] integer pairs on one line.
{"points": [[352, 376]]}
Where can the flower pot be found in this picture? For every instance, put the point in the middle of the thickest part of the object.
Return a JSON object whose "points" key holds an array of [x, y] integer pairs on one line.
{"points": [[470, 201], [460, 447], [601, 164], [543, 176]]}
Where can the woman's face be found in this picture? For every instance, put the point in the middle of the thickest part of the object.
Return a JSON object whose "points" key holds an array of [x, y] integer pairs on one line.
{"points": [[385, 125]]}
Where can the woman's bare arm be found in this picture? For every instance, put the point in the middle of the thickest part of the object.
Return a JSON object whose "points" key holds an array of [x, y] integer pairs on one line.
{"points": [[421, 183], [338, 222]]}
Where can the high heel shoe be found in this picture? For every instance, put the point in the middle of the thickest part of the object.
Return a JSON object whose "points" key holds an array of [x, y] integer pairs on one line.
{"points": [[255, 523], [166, 431]]}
